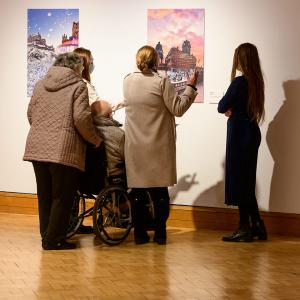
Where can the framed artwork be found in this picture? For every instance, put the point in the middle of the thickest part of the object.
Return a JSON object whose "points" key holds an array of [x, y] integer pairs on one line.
{"points": [[178, 37], [49, 33]]}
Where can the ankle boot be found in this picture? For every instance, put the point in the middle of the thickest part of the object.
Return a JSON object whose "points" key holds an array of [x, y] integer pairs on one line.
{"points": [[243, 234], [259, 230], [141, 238], [160, 236]]}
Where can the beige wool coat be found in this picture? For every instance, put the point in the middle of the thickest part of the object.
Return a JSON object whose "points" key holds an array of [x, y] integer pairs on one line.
{"points": [[151, 104], [60, 120]]}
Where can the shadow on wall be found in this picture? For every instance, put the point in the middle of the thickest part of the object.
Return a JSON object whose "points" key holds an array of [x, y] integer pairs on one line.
{"points": [[214, 195], [183, 185], [283, 139], [211, 197]]}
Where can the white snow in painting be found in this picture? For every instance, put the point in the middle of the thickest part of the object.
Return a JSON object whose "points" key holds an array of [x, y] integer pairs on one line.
{"points": [[38, 63]]}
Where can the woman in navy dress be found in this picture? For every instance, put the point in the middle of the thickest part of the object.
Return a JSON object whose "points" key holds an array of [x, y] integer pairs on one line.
{"points": [[243, 104]]}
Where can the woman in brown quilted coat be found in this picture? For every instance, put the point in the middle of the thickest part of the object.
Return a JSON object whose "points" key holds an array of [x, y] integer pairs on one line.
{"points": [[60, 125]]}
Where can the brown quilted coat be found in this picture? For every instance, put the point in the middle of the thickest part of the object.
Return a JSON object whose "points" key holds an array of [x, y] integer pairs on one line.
{"points": [[60, 119]]}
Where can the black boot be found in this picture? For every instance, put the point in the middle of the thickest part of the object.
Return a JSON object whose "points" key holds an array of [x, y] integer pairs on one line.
{"points": [[243, 234], [160, 238], [139, 240], [259, 230]]}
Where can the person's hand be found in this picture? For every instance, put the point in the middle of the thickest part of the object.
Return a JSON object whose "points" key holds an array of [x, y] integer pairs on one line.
{"points": [[193, 79], [117, 106], [228, 113]]}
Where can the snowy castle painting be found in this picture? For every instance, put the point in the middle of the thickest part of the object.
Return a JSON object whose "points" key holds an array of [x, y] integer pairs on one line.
{"points": [[47, 37]]}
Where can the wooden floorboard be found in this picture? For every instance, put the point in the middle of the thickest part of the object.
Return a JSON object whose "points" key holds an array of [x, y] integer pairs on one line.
{"points": [[195, 217], [195, 264]]}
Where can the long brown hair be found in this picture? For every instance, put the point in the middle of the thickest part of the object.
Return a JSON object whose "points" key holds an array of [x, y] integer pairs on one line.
{"points": [[246, 60], [86, 56]]}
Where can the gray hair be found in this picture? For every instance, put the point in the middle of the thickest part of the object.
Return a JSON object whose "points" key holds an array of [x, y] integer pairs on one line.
{"points": [[68, 60]]}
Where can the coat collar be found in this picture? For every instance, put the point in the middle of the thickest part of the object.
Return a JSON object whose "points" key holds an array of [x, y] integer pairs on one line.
{"points": [[149, 71]]}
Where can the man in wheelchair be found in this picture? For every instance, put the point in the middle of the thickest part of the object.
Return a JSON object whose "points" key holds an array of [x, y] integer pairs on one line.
{"points": [[113, 136], [105, 164], [105, 176]]}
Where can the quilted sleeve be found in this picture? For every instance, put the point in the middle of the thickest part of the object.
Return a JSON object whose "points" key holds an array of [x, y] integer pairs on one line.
{"points": [[82, 116]]}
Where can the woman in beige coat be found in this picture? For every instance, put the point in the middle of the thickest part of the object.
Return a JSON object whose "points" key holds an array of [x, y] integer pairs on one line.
{"points": [[151, 104], [60, 124]]}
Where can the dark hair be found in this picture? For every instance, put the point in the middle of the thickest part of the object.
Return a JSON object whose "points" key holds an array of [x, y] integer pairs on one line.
{"points": [[86, 56], [246, 59], [68, 60]]}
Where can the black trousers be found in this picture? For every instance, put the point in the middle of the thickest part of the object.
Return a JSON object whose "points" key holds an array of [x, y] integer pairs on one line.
{"points": [[56, 188], [161, 203]]}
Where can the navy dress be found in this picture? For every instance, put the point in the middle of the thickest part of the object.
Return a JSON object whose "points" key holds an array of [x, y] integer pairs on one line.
{"points": [[243, 140]]}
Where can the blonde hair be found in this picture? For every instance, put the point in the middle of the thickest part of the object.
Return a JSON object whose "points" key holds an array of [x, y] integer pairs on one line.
{"points": [[146, 58]]}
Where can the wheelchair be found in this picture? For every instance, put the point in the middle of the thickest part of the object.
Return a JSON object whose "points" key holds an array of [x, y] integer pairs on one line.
{"points": [[113, 209]]}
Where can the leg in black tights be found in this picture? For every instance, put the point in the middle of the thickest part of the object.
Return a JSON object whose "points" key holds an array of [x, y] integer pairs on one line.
{"points": [[249, 210], [244, 215], [161, 202], [258, 228], [140, 211], [253, 210]]}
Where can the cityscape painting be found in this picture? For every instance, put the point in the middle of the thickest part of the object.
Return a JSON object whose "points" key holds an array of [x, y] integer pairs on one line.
{"points": [[49, 33], [178, 37]]}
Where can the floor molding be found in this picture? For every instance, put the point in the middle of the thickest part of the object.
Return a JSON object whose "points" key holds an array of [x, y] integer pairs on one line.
{"points": [[180, 216]]}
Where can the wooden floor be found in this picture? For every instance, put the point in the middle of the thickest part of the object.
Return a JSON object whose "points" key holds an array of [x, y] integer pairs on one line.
{"points": [[193, 265]]}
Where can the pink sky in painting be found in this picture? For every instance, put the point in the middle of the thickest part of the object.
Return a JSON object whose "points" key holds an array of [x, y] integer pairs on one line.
{"points": [[172, 26]]}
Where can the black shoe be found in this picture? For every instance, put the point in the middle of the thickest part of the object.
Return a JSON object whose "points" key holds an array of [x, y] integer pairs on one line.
{"points": [[63, 245], [160, 241], [139, 240], [85, 229], [160, 237], [240, 235], [259, 230]]}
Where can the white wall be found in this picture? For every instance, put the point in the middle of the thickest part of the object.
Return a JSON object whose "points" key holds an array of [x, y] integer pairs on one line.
{"points": [[114, 30]]}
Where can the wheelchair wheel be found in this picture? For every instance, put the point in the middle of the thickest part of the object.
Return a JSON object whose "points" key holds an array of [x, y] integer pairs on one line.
{"points": [[112, 216], [77, 214]]}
